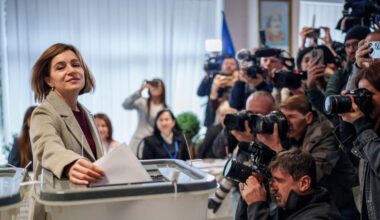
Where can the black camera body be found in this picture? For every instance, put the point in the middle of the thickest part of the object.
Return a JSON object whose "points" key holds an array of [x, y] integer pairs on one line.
{"points": [[260, 157], [359, 12], [289, 79], [257, 123], [252, 60], [315, 33], [236, 121], [154, 83], [213, 64], [336, 104]]}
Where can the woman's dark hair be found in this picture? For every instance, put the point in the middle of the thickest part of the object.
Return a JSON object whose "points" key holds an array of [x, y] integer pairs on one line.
{"points": [[176, 128], [371, 74], [107, 120], [23, 141], [162, 97]]}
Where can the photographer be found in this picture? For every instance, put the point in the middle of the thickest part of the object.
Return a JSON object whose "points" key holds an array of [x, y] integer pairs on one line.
{"points": [[259, 102], [216, 85], [339, 78], [362, 56], [251, 82], [313, 133], [367, 142], [293, 187], [147, 109]]}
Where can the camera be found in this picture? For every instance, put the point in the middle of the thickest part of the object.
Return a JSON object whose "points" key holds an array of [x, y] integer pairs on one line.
{"points": [[289, 79], [340, 50], [236, 121], [213, 64], [154, 83], [261, 156], [315, 33], [336, 104], [257, 123], [359, 12], [252, 61]]}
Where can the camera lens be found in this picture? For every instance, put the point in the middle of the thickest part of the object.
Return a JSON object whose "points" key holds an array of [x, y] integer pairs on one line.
{"points": [[234, 122], [336, 104], [237, 171]]}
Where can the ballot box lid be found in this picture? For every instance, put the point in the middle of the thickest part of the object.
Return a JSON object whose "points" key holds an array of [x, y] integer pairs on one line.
{"points": [[10, 180], [188, 179]]}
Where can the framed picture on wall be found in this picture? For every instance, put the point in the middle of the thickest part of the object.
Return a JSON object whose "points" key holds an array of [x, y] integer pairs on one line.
{"points": [[275, 20]]}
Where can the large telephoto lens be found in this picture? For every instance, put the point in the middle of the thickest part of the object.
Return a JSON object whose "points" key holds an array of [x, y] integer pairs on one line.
{"points": [[234, 122], [336, 104], [237, 171]]}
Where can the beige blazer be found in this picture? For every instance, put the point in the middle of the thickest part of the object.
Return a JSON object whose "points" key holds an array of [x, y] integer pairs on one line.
{"points": [[57, 138]]}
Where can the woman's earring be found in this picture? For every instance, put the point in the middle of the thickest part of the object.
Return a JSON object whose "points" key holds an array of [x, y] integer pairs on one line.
{"points": [[52, 88]]}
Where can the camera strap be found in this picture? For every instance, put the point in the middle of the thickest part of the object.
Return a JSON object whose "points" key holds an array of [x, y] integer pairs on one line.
{"points": [[168, 152]]}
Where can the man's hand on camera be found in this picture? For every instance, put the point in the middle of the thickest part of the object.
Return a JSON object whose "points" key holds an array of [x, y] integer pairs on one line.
{"points": [[219, 82], [327, 37], [256, 81], [305, 32], [253, 190], [314, 72], [271, 140], [244, 136], [361, 56]]}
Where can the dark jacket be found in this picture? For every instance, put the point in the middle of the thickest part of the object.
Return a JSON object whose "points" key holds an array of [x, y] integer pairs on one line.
{"points": [[317, 205], [334, 169], [205, 150], [204, 89], [154, 147], [14, 156], [367, 148], [241, 91]]}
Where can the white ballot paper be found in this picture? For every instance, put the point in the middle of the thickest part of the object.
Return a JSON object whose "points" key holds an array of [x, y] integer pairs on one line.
{"points": [[121, 166]]}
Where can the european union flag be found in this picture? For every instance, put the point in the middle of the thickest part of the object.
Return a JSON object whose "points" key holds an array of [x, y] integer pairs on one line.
{"points": [[227, 45]]}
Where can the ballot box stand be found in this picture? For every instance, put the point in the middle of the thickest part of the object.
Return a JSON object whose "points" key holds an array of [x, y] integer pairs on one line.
{"points": [[10, 196], [228, 207], [184, 197]]}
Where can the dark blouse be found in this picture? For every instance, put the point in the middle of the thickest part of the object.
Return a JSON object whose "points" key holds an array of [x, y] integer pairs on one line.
{"points": [[81, 118]]}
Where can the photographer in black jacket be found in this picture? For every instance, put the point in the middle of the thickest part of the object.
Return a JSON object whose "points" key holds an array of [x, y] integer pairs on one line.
{"points": [[293, 188], [366, 141]]}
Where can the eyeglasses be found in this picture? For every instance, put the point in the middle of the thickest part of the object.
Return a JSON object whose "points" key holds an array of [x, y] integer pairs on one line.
{"points": [[353, 45]]}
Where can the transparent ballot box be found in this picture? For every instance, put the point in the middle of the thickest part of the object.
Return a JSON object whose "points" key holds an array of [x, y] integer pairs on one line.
{"points": [[177, 191], [10, 196]]}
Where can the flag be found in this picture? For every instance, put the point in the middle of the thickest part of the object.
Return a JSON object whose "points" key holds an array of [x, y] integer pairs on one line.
{"points": [[227, 45]]}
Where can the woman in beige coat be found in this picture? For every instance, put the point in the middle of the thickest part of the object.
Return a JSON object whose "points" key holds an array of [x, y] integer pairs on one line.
{"points": [[63, 133]]}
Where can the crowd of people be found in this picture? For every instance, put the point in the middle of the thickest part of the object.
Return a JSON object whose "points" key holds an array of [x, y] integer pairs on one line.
{"points": [[320, 157]]}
